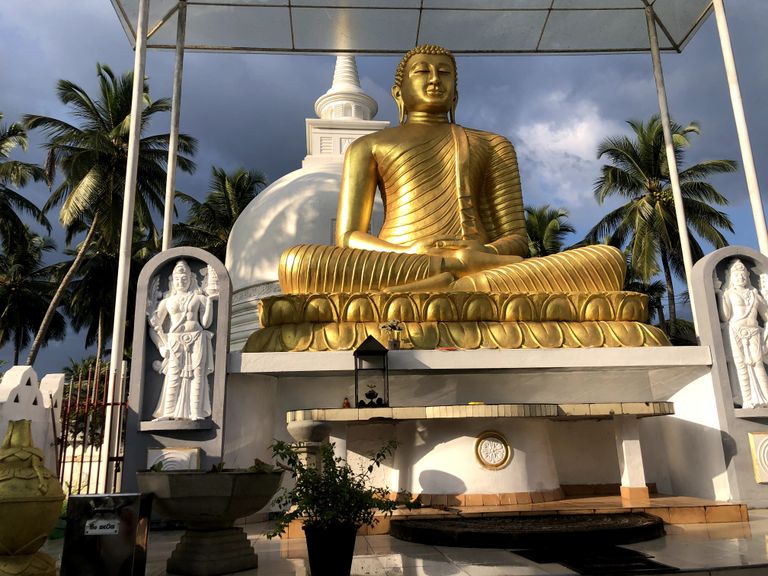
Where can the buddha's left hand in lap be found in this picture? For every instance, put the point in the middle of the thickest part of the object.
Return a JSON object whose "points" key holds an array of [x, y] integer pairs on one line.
{"points": [[462, 257]]}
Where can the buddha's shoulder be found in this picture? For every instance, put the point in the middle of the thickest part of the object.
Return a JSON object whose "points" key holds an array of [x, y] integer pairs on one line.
{"points": [[370, 141], [382, 141], [397, 136], [490, 138]]}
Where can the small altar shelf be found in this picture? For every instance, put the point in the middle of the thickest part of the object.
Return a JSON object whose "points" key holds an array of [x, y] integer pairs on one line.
{"points": [[549, 411]]}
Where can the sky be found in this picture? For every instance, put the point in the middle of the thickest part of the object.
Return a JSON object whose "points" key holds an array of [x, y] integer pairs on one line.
{"points": [[248, 110]]}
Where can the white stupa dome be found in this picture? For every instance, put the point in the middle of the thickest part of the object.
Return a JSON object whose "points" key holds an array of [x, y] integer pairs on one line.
{"points": [[300, 207]]}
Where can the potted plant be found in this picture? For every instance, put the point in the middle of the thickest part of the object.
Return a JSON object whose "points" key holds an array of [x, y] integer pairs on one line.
{"points": [[333, 501], [394, 329]]}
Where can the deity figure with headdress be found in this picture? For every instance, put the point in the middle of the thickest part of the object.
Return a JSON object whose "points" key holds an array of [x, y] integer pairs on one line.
{"points": [[742, 305], [179, 320]]}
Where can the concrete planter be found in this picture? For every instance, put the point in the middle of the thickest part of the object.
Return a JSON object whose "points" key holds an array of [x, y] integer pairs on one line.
{"points": [[208, 504]]}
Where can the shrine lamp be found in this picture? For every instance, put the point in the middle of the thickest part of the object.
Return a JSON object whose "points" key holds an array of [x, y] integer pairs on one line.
{"points": [[371, 375]]}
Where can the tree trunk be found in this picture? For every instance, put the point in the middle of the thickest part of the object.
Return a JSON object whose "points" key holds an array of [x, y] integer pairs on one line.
{"points": [[99, 344], [16, 345], [662, 321], [100, 336], [670, 288], [41, 332]]}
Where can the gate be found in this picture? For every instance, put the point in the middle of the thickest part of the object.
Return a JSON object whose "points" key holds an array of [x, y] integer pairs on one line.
{"points": [[90, 454]]}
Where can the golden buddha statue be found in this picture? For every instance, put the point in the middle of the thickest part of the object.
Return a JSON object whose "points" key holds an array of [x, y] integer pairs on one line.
{"points": [[450, 259]]}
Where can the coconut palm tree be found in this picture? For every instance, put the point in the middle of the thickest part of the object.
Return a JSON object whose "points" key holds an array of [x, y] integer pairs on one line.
{"points": [[16, 173], [25, 291], [88, 309], [93, 310], [211, 220], [77, 368], [646, 224], [92, 157], [655, 290], [547, 228]]}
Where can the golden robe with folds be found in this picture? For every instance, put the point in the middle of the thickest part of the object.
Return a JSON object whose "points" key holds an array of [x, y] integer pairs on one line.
{"points": [[456, 184]]}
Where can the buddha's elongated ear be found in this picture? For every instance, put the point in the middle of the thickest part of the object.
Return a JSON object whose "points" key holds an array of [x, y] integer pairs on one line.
{"points": [[398, 96], [452, 113]]}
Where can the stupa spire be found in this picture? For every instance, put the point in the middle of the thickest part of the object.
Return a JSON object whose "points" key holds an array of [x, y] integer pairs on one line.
{"points": [[346, 99]]}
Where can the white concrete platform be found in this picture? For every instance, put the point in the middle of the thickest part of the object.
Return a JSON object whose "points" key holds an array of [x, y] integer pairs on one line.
{"points": [[328, 363]]}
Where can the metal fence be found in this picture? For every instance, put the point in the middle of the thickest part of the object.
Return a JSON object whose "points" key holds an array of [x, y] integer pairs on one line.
{"points": [[90, 454]]}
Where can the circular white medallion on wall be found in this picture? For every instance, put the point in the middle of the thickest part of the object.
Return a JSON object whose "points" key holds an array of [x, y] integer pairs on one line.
{"points": [[492, 450]]}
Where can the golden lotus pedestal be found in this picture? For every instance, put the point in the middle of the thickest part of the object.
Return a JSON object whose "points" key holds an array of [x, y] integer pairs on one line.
{"points": [[465, 320]]}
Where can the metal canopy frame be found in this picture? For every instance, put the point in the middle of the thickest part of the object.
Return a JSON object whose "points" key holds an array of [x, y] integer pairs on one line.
{"points": [[395, 26], [358, 26]]}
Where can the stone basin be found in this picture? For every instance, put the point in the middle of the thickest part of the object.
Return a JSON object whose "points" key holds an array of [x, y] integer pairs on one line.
{"points": [[209, 500], [208, 503]]}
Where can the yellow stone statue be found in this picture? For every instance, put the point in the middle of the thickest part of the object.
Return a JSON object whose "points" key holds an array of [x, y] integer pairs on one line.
{"points": [[449, 260]]}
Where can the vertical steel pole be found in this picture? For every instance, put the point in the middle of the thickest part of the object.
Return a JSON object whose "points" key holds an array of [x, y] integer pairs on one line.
{"points": [[674, 179], [741, 127], [129, 199], [178, 74]]}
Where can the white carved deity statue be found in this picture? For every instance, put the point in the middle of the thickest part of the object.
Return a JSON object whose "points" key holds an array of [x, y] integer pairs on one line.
{"points": [[742, 304], [179, 319]]}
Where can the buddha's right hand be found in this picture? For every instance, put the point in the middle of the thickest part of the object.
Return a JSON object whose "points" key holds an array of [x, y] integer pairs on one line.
{"points": [[464, 262], [448, 247]]}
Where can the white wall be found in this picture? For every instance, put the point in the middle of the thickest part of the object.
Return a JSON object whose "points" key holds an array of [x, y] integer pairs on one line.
{"points": [[692, 438], [23, 397], [683, 453]]}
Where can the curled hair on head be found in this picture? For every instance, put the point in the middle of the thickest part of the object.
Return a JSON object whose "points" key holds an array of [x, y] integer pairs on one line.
{"points": [[432, 50]]}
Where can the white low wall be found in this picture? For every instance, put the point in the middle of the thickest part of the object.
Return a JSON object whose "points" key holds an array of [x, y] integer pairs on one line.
{"points": [[24, 397]]}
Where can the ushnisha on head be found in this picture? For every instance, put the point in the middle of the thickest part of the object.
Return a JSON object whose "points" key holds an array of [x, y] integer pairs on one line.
{"points": [[426, 78]]}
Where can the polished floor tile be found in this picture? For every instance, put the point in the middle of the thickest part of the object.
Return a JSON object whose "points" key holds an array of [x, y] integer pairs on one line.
{"points": [[390, 561], [726, 549], [443, 570]]}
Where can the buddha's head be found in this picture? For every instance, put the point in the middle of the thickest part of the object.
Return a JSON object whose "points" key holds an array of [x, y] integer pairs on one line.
{"points": [[425, 81]]}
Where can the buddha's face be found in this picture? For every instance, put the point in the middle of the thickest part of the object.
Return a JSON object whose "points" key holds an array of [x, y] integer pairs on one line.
{"points": [[429, 84]]}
